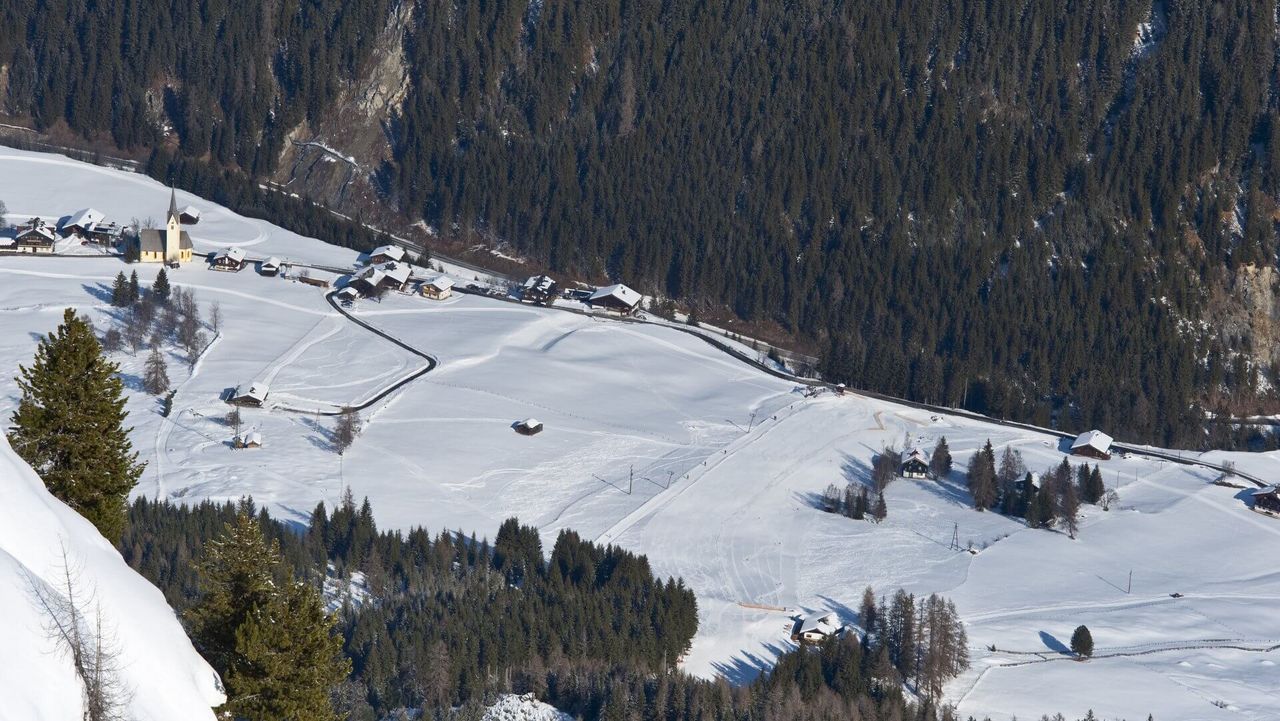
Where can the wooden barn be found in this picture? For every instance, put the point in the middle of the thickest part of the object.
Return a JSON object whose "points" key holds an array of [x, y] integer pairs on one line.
{"points": [[915, 465], [35, 236], [230, 260], [269, 267], [255, 395], [538, 289], [529, 427], [814, 628], [438, 288], [386, 254], [317, 282], [1093, 444], [616, 297], [189, 215], [1267, 499], [252, 439]]}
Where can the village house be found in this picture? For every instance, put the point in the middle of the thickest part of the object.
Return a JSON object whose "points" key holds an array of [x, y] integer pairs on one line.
{"points": [[82, 222], [35, 236], [915, 465], [255, 395], [168, 245], [386, 254], [269, 267], [230, 260], [437, 288], [1093, 444], [377, 278], [538, 289], [1267, 499], [814, 628], [617, 297]]}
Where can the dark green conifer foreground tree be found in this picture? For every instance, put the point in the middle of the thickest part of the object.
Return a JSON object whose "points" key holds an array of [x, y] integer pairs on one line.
{"points": [[160, 288], [1082, 642], [266, 633], [69, 425]]}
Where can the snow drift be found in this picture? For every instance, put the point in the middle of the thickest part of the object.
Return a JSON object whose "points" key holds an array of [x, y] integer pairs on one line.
{"points": [[161, 673]]}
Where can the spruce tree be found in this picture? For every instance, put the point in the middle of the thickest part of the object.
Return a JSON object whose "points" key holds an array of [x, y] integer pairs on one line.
{"points": [[120, 291], [982, 478], [155, 380], [1069, 508], [1094, 488], [160, 288], [134, 293], [880, 511], [940, 461], [1082, 642], [69, 425]]}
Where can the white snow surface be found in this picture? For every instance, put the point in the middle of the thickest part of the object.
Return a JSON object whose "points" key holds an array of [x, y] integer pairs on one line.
{"points": [[165, 676], [657, 442], [510, 707]]}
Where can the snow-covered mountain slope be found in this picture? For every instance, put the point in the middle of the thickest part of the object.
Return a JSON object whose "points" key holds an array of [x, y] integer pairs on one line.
{"points": [[161, 673], [510, 707]]}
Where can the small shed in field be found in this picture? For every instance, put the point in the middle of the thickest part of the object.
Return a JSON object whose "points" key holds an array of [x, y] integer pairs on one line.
{"points": [[529, 427], [255, 395], [252, 439], [1267, 499], [189, 215], [1093, 444], [269, 267]]}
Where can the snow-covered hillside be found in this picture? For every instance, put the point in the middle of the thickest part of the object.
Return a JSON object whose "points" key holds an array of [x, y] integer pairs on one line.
{"points": [[164, 676], [658, 442]]}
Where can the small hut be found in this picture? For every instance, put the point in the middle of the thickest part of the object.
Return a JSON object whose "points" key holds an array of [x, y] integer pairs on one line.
{"points": [[1093, 444], [1267, 499], [269, 267], [529, 427], [252, 439]]}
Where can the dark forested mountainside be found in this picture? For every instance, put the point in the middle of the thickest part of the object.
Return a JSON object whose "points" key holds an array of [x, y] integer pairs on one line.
{"points": [[1060, 212]]}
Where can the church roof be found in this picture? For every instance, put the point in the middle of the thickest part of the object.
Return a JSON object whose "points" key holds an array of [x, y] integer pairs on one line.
{"points": [[151, 240], [173, 203]]}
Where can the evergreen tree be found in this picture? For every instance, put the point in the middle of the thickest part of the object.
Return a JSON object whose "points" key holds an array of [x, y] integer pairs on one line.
{"points": [[160, 288], [1082, 642], [155, 380], [982, 478], [120, 291], [881, 511], [344, 434], [1094, 488], [940, 461], [69, 425], [1069, 508], [134, 293]]}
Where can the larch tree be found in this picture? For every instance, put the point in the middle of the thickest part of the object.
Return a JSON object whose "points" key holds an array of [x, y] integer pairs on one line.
{"points": [[155, 379], [69, 425]]}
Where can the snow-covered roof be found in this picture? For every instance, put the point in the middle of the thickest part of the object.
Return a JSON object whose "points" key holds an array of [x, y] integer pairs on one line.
{"points": [[85, 218], [441, 282], [1096, 439], [190, 211], [816, 622], [393, 252], [1265, 491], [619, 292], [257, 391], [272, 262], [37, 226], [539, 282], [233, 254], [253, 438], [531, 423], [918, 455]]}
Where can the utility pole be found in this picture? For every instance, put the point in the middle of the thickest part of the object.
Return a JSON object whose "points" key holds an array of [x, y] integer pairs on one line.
{"points": [[670, 474], [1130, 588], [955, 536], [752, 422], [631, 474]]}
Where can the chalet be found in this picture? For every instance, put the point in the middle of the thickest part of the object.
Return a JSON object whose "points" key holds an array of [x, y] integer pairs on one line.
{"points": [[35, 236], [82, 222], [377, 278], [104, 233], [270, 266], [252, 439], [189, 215], [437, 288], [814, 628], [916, 465], [169, 244], [617, 297], [1092, 444], [230, 260], [255, 395], [1267, 499], [529, 427], [538, 289], [386, 254]]}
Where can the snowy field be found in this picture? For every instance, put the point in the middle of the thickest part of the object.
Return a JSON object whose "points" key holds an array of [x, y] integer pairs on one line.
{"points": [[656, 441]]}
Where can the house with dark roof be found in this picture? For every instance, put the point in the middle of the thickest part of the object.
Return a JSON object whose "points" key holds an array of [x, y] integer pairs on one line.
{"points": [[169, 244]]}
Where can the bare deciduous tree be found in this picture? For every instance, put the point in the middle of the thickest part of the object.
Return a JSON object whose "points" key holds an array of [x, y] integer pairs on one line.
{"points": [[344, 434], [215, 317]]}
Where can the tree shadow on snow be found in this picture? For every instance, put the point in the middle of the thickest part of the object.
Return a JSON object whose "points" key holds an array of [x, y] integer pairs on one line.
{"points": [[948, 491], [811, 499], [1053, 644], [855, 469], [322, 438], [100, 291], [747, 667]]}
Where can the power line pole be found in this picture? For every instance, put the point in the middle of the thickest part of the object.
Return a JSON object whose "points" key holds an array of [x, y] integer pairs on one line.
{"points": [[955, 536], [631, 474]]}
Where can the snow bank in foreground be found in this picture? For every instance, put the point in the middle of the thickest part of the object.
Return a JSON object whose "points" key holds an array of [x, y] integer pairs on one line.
{"points": [[164, 675], [511, 707]]}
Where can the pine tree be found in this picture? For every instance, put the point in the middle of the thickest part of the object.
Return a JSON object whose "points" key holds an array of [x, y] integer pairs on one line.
{"points": [[69, 425], [1069, 508], [120, 291], [982, 478], [1082, 642], [160, 288], [134, 293], [881, 511], [155, 380], [940, 461], [268, 635], [1094, 488]]}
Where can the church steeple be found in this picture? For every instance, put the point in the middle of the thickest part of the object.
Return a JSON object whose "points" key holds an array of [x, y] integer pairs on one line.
{"points": [[173, 204]]}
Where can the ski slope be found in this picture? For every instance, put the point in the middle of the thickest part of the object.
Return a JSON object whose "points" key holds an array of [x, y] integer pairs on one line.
{"points": [[656, 441]]}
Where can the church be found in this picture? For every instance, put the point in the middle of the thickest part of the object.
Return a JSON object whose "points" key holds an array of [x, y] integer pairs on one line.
{"points": [[168, 245]]}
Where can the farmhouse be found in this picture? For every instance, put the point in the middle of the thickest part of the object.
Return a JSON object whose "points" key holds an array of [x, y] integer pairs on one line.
{"points": [[1093, 444], [170, 244], [35, 236], [438, 288], [529, 427], [270, 266], [386, 254], [617, 297], [376, 278], [1267, 499], [252, 439], [814, 628], [538, 289], [189, 215], [915, 465], [230, 260], [255, 395], [82, 222]]}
